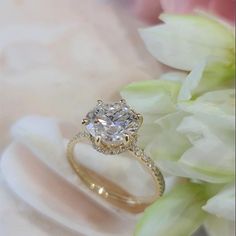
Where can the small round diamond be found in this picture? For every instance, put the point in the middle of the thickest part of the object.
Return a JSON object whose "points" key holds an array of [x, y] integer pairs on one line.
{"points": [[112, 122]]}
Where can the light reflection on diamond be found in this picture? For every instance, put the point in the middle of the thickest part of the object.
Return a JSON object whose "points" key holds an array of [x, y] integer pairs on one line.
{"points": [[112, 121]]}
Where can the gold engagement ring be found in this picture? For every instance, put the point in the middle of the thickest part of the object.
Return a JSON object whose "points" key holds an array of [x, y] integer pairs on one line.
{"points": [[113, 129]]}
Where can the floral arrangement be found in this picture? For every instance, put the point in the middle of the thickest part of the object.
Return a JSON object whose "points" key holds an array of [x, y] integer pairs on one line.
{"points": [[178, 73], [189, 124]]}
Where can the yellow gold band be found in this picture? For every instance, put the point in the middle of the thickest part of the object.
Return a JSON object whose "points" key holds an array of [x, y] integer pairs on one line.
{"points": [[110, 191]]}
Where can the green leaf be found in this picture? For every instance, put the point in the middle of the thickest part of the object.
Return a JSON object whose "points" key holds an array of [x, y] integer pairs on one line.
{"points": [[178, 213]]}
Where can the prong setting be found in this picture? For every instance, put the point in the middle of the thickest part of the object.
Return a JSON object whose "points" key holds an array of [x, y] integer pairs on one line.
{"points": [[99, 102], [127, 138], [98, 140], [140, 118], [96, 121], [112, 127], [85, 121]]}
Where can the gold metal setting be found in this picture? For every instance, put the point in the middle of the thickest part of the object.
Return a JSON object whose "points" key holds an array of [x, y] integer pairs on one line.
{"points": [[84, 121]]}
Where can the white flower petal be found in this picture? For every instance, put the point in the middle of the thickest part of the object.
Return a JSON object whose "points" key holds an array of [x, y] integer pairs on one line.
{"points": [[217, 226], [206, 29], [152, 96], [208, 152], [177, 213], [215, 108], [166, 137], [176, 168], [211, 131], [184, 41], [191, 82], [163, 134], [223, 203], [177, 76]]}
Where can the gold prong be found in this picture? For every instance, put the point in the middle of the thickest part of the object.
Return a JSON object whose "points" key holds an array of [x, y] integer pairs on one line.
{"points": [[127, 138], [140, 117], [99, 102], [96, 121], [98, 140], [85, 121]]}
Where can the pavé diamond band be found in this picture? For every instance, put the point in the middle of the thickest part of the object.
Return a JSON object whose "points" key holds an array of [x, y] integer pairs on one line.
{"points": [[112, 129]]}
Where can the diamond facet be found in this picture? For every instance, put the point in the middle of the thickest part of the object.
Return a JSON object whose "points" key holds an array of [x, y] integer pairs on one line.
{"points": [[112, 122]]}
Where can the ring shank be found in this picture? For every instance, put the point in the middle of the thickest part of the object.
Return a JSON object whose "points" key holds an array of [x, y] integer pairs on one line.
{"points": [[111, 191]]}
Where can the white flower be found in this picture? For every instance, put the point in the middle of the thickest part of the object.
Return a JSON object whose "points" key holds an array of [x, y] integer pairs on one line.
{"points": [[188, 138], [185, 40], [189, 124]]}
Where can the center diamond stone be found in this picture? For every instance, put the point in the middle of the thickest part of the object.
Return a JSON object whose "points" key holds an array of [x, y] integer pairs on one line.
{"points": [[112, 122]]}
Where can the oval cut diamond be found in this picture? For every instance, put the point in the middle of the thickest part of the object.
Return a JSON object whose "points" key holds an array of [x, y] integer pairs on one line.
{"points": [[112, 122]]}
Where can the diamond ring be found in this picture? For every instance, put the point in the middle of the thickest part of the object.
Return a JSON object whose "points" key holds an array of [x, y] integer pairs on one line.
{"points": [[113, 129]]}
